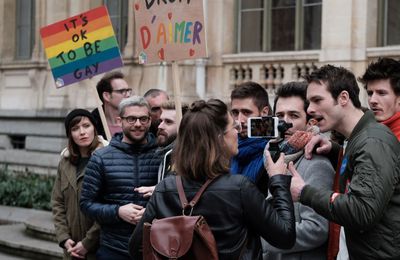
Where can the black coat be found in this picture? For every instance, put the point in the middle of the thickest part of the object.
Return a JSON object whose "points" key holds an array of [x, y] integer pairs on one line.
{"points": [[235, 211], [111, 176]]}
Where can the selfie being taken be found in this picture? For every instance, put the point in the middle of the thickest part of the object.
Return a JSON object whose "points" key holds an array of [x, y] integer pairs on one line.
{"points": [[207, 129]]}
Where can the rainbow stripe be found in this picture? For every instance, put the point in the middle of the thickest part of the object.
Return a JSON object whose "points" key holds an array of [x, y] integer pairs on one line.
{"points": [[98, 30]]}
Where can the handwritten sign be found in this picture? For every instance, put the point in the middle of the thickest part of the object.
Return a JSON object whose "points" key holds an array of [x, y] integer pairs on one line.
{"points": [[169, 30], [81, 47]]}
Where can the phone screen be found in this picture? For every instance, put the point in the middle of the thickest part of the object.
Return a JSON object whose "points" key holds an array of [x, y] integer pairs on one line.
{"points": [[266, 127]]}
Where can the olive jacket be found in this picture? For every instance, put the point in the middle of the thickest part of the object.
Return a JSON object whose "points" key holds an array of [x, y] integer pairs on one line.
{"points": [[369, 209], [69, 221]]}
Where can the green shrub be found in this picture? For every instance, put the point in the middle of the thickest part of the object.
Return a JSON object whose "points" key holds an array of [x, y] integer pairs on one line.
{"points": [[25, 190]]}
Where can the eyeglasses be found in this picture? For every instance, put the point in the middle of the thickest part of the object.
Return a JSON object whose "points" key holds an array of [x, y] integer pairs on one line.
{"points": [[132, 119], [236, 125], [123, 91]]}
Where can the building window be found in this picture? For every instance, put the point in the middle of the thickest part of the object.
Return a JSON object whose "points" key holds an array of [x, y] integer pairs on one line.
{"points": [[279, 25], [389, 22], [118, 11], [18, 141], [25, 25]]}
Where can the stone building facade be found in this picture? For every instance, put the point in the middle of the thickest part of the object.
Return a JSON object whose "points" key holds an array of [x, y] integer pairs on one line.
{"points": [[267, 41]]}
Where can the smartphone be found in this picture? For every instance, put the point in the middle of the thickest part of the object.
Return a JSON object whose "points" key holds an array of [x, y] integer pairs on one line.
{"points": [[263, 127]]}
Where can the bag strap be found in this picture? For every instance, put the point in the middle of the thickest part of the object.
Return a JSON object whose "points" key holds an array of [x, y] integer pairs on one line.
{"points": [[182, 196]]}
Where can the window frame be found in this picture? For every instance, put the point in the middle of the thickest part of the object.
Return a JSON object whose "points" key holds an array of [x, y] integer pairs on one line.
{"points": [[122, 21], [382, 33], [267, 25], [18, 24]]}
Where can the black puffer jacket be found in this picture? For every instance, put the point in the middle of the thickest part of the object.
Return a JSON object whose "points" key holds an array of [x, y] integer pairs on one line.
{"points": [[111, 176], [234, 209]]}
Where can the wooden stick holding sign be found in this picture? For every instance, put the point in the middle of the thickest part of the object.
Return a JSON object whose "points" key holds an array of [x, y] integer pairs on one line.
{"points": [[177, 92], [101, 113], [170, 31]]}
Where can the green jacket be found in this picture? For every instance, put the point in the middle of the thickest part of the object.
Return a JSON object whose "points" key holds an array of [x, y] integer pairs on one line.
{"points": [[69, 221], [370, 209]]}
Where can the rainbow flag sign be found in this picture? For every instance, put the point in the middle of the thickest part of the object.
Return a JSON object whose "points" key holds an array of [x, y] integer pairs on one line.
{"points": [[81, 47]]}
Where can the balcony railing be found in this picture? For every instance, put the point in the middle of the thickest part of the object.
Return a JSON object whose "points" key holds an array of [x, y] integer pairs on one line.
{"points": [[270, 70]]}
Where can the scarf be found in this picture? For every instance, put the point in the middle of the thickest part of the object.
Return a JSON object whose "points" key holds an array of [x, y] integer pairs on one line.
{"points": [[249, 160], [394, 124]]}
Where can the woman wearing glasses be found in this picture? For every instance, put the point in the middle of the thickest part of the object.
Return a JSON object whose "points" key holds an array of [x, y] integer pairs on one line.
{"points": [[75, 232], [235, 210]]}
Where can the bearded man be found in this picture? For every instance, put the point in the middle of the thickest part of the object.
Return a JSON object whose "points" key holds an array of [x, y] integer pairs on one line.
{"points": [[112, 174]]}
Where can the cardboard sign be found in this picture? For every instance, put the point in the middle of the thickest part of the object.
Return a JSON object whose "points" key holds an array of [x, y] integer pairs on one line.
{"points": [[81, 47], [169, 30]]}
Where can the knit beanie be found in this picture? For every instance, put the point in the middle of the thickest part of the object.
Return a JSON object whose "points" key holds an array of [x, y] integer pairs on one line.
{"points": [[77, 112]]}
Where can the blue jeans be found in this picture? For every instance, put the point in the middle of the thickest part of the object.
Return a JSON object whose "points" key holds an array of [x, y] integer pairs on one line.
{"points": [[105, 253]]}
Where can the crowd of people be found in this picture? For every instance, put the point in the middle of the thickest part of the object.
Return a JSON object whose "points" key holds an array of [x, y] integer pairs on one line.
{"points": [[321, 199]]}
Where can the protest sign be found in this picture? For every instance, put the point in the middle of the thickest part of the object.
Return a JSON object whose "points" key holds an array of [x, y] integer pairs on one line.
{"points": [[169, 30], [81, 47]]}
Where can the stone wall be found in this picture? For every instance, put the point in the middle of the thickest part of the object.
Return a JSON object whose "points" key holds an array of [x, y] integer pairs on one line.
{"points": [[31, 140]]}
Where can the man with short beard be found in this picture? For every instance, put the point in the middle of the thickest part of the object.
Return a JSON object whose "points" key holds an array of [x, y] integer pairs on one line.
{"points": [[166, 135], [155, 98], [112, 174]]}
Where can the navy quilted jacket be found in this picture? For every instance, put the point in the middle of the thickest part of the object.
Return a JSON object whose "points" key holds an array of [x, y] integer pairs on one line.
{"points": [[111, 176]]}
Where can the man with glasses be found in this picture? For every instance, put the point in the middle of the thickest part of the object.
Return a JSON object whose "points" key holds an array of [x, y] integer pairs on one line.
{"points": [[112, 88], [112, 174], [155, 98]]}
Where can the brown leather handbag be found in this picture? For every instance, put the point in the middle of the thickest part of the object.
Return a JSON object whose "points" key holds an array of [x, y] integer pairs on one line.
{"points": [[180, 237]]}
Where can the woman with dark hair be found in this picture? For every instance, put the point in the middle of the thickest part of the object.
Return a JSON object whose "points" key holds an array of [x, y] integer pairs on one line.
{"points": [[76, 233], [233, 207]]}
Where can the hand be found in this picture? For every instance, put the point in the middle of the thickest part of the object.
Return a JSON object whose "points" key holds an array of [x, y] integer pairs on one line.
{"points": [[139, 215], [297, 183], [147, 191], [128, 212], [279, 167], [78, 251], [324, 144], [69, 243]]}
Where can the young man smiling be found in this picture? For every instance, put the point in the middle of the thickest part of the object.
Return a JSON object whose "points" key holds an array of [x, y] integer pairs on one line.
{"points": [[112, 174]]}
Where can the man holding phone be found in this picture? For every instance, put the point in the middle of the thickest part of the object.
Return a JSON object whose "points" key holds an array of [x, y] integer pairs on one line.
{"points": [[250, 100], [291, 105]]}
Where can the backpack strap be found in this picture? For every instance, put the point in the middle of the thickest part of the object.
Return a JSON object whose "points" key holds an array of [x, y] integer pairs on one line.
{"points": [[182, 196]]}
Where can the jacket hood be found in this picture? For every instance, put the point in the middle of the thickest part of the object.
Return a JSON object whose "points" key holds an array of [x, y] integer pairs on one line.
{"points": [[165, 149]]}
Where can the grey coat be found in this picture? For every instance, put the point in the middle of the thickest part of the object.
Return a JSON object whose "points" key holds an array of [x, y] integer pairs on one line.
{"points": [[311, 228]]}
